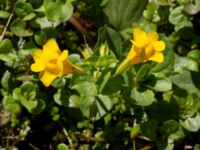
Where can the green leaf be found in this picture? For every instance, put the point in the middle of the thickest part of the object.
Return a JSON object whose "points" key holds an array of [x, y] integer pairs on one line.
{"points": [[149, 128], [135, 131], [59, 10], [86, 89], [194, 54], [162, 85], [6, 46], [6, 80], [104, 105], [179, 19], [28, 90], [22, 9], [86, 104], [112, 37], [163, 111], [151, 12], [113, 85], [29, 17], [43, 35], [191, 124], [4, 14], [142, 97], [11, 105], [74, 101], [44, 23], [182, 63], [62, 146], [192, 8], [184, 80], [122, 13], [18, 27], [169, 127], [61, 97]]}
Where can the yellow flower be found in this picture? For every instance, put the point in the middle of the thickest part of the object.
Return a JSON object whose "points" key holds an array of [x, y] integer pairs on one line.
{"points": [[145, 46], [51, 62]]}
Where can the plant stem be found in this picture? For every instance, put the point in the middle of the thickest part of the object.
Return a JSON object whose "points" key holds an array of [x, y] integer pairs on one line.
{"points": [[67, 136], [33, 146], [89, 138], [5, 29]]}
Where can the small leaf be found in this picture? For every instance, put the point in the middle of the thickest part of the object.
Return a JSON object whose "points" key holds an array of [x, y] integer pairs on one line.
{"points": [[18, 27], [179, 19], [86, 88], [61, 97], [22, 9], [191, 124], [194, 54], [62, 146], [6, 46], [142, 97], [29, 17], [6, 80], [11, 105], [104, 105], [86, 104], [59, 10], [149, 128], [162, 85], [169, 127]]}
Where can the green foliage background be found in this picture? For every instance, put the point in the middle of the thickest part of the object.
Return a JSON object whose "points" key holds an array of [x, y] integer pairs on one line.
{"points": [[149, 106]]}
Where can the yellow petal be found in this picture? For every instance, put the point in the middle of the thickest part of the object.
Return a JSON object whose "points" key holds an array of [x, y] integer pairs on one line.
{"points": [[47, 78], [38, 66], [51, 46], [60, 68], [148, 51], [152, 36], [157, 57], [63, 56], [140, 37], [131, 53], [38, 55], [159, 45], [51, 67]]}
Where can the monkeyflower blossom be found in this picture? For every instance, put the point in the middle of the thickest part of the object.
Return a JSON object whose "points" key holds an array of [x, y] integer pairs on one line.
{"points": [[51, 62], [145, 46]]}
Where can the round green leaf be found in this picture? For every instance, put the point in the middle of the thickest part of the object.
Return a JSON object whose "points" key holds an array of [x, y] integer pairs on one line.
{"points": [[6, 46], [62, 146], [163, 85], [142, 97], [22, 9], [59, 10], [18, 27], [11, 105]]}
